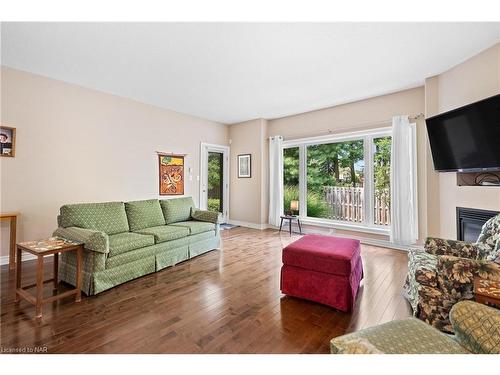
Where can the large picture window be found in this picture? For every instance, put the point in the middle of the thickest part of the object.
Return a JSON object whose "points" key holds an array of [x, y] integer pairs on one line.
{"points": [[335, 180], [344, 179]]}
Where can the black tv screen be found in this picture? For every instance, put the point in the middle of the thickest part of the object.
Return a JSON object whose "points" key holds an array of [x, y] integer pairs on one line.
{"points": [[467, 138]]}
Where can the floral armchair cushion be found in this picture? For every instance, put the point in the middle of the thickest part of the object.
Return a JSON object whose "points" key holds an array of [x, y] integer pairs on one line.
{"points": [[456, 275], [435, 283], [443, 274], [488, 242]]}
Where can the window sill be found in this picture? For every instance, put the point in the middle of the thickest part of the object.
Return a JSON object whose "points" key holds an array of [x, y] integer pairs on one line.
{"points": [[345, 226]]}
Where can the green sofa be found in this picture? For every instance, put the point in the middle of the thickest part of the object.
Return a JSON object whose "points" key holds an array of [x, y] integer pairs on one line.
{"points": [[476, 328], [124, 241]]}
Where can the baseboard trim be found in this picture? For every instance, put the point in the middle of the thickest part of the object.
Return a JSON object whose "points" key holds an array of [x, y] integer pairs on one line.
{"points": [[363, 240], [26, 256], [382, 243], [331, 232], [247, 224], [368, 241]]}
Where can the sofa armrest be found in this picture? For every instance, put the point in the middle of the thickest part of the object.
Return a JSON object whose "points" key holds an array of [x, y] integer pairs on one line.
{"points": [[440, 246], [208, 216], [422, 267], [476, 326], [92, 239]]}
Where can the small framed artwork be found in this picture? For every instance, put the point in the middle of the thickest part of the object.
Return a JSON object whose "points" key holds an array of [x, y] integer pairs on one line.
{"points": [[7, 141], [245, 166], [171, 168]]}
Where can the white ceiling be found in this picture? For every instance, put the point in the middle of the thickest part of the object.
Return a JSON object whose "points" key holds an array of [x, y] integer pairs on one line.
{"points": [[231, 72]]}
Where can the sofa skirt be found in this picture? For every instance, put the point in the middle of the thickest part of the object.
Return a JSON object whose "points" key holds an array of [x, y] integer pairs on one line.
{"points": [[332, 290], [99, 281], [171, 258], [203, 246]]}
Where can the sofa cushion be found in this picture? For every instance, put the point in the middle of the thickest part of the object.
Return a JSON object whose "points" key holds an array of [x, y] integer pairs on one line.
{"points": [[358, 346], [406, 336], [108, 217], [144, 214], [195, 226], [177, 209], [143, 252], [165, 232], [122, 242], [476, 327]]}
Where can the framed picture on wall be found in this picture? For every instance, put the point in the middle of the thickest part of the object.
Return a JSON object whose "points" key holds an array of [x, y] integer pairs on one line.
{"points": [[245, 166], [7, 141], [171, 168]]}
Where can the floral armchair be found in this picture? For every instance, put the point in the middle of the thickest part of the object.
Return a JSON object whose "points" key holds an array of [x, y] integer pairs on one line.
{"points": [[443, 274]]}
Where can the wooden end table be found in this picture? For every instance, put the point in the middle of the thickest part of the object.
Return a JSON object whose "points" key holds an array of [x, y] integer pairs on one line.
{"points": [[12, 217], [487, 291], [53, 245], [290, 218]]}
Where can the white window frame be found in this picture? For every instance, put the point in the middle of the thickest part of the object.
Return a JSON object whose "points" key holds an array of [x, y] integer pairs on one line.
{"points": [[367, 136]]}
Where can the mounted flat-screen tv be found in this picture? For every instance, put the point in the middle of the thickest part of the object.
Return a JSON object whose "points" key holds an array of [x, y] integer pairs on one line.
{"points": [[467, 139]]}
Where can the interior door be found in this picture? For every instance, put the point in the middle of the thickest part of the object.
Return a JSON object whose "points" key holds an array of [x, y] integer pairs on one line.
{"points": [[214, 186]]}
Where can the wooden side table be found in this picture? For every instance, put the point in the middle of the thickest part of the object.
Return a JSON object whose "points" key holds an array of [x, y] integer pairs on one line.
{"points": [[53, 245], [290, 218], [12, 217], [487, 291]]}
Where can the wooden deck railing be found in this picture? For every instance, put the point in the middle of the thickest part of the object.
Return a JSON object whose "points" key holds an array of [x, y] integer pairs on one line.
{"points": [[347, 204], [382, 208]]}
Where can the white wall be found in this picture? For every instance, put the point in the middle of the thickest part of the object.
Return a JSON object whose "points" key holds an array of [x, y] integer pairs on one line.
{"points": [[473, 80], [79, 145], [249, 196], [369, 113]]}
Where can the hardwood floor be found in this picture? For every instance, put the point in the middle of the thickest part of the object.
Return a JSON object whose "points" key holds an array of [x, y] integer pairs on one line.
{"points": [[224, 301]]}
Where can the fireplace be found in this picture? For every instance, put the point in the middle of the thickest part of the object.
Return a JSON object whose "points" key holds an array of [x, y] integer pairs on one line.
{"points": [[470, 221]]}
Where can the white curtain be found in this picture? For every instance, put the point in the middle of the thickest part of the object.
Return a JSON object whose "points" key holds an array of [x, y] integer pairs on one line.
{"points": [[404, 209], [275, 179]]}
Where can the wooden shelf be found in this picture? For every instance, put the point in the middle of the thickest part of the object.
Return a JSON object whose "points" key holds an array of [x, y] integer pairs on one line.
{"points": [[473, 178]]}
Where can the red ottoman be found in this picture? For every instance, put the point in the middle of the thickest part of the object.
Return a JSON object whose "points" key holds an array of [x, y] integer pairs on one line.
{"points": [[323, 269]]}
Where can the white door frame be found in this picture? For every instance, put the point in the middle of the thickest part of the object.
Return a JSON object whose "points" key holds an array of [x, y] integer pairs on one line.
{"points": [[205, 148]]}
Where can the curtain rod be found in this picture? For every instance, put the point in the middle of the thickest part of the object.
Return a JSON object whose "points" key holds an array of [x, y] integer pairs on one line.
{"points": [[351, 128]]}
